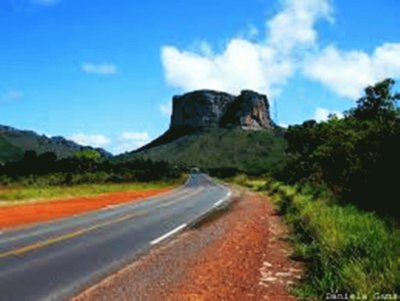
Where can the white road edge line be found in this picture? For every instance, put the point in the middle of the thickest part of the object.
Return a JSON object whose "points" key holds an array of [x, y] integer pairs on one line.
{"points": [[218, 203], [179, 228], [168, 234]]}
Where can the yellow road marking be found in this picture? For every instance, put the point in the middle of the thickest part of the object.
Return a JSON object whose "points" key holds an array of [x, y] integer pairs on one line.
{"points": [[188, 195], [54, 240]]}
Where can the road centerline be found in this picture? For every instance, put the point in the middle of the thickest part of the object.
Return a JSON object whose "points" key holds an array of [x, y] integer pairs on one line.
{"points": [[67, 236], [114, 210]]}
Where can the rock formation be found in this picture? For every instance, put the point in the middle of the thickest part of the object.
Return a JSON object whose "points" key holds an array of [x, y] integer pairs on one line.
{"points": [[207, 108]]}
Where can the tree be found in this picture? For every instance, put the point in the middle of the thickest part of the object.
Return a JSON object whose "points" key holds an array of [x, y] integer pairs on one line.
{"points": [[91, 155], [87, 160], [378, 102], [356, 157]]}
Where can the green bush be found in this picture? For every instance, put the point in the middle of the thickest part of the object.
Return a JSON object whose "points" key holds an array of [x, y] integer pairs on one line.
{"points": [[355, 158], [346, 250]]}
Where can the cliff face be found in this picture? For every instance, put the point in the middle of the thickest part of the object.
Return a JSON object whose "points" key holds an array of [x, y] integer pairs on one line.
{"points": [[207, 108]]}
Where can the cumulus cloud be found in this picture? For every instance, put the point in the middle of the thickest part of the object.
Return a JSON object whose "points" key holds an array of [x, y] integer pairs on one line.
{"points": [[243, 65], [322, 114], [294, 26], [348, 73], [125, 142], [99, 69], [263, 66], [129, 141], [91, 140], [138, 136], [290, 46], [11, 95]]}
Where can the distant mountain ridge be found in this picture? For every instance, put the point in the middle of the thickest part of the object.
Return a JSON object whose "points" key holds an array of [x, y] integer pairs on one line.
{"points": [[14, 143]]}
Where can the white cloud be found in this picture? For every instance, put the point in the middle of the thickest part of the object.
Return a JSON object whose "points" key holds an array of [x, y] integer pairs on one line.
{"points": [[264, 66], [45, 2], [129, 141], [166, 109], [92, 140], [125, 142], [294, 26], [348, 73], [11, 95], [322, 114], [243, 65], [290, 45], [141, 136], [100, 69]]}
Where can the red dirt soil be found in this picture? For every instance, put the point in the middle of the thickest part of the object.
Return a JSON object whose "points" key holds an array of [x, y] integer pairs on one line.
{"points": [[241, 255], [250, 263], [18, 215]]}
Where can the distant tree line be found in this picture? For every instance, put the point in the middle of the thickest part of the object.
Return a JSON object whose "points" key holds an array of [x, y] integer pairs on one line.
{"points": [[84, 167], [356, 158]]}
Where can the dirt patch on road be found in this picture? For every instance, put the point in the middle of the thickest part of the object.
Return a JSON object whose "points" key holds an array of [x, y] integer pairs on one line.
{"points": [[241, 255], [19, 215]]}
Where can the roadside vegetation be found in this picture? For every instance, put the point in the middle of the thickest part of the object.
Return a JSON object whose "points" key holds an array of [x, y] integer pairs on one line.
{"points": [[87, 173], [355, 158], [347, 250], [21, 194], [338, 191]]}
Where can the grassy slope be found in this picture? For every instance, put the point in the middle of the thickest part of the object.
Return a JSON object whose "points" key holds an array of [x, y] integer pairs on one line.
{"points": [[24, 141], [13, 145], [249, 151], [8, 152], [347, 250]]}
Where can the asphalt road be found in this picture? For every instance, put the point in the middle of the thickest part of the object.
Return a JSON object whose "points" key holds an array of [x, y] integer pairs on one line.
{"points": [[56, 260]]}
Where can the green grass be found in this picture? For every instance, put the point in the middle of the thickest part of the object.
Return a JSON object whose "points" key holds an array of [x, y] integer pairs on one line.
{"points": [[346, 249], [13, 195]]}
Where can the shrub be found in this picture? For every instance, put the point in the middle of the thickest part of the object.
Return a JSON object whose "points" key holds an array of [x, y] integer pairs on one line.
{"points": [[347, 250]]}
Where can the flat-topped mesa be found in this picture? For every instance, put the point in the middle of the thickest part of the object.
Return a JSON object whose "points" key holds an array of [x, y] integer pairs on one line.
{"points": [[198, 109], [207, 108]]}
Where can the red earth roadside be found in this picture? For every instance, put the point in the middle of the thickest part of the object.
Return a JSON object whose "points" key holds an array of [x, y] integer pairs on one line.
{"points": [[24, 214]]}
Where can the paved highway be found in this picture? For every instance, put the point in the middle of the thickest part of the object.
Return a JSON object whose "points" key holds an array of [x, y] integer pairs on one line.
{"points": [[56, 260]]}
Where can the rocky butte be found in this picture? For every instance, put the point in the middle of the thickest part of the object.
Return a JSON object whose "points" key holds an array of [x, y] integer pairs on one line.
{"points": [[208, 108]]}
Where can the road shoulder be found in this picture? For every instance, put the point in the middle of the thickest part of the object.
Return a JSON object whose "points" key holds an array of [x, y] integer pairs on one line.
{"points": [[236, 254]]}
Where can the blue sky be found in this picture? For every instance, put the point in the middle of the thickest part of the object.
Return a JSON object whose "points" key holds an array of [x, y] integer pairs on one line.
{"points": [[103, 72]]}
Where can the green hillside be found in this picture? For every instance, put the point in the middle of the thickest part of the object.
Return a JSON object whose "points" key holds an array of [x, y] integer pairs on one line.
{"points": [[14, 143], [8, 152], [244, 150]]}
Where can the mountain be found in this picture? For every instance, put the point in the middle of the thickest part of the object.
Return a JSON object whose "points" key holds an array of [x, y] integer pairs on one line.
{"points": [[14, 143], [217, 130]]}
